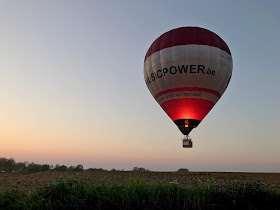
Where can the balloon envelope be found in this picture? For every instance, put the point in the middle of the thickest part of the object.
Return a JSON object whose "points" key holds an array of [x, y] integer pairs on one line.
{"points": [[187, 70]]}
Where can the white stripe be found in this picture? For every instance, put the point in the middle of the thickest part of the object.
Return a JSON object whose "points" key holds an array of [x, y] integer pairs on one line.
{"points": [[187, 94]]}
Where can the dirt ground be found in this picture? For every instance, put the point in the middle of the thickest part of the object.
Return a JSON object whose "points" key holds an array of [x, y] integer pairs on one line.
{"points": [[29, 181]]}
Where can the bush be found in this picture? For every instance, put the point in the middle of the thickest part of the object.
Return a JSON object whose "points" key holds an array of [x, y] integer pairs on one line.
{"points": [[183, 170], [140, 169], [60, 168]]}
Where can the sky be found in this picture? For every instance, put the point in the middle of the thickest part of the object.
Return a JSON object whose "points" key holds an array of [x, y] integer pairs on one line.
{"points": [[72, 89]]}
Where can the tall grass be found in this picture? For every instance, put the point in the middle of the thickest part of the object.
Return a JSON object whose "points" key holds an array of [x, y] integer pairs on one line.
{"points": [[81, 193]]}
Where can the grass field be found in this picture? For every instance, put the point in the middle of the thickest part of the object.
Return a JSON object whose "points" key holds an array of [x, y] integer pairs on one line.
{"points": [[140, 190]]}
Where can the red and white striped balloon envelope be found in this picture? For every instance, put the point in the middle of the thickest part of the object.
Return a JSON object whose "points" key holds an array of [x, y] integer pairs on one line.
{"points": [[187, 70]]}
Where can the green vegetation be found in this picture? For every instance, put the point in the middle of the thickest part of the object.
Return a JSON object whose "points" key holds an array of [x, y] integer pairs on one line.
{"points": [[78, 193]]}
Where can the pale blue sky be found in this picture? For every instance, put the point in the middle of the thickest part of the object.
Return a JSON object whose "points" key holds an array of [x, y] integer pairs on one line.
{"points": [[72, 88]]}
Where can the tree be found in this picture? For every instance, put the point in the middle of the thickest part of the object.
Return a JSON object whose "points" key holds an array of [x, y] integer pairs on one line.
{"points": [[7, 165], [33, 167], [96, 169], [60, 168], [70, 168], [183, 170], [45, 167], [140, 169], [79, 168], [20, 167]]}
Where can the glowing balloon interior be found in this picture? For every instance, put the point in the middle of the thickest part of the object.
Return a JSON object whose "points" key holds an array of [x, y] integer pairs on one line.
{"points": [[187, 70]]}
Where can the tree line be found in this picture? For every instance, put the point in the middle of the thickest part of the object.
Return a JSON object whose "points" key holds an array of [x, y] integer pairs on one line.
{"points": [[11, 166]]}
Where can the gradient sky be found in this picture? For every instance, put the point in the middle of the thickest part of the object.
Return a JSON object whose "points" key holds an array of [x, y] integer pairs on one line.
{"points": [[72, 89]]}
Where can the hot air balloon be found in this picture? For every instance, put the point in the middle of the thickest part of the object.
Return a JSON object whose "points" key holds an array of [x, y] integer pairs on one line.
{"points": [[187, 70]]}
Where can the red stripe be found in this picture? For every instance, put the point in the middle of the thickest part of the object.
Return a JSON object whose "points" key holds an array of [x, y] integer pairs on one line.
{"points": [[185, 36], [188, 89], [187, 108]]}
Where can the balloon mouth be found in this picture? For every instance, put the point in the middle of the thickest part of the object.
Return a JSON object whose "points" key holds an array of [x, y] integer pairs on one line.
{"points": [[186, 125]]}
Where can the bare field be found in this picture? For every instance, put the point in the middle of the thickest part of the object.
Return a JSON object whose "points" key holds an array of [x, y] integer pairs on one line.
{"points": [[34, 180]]}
